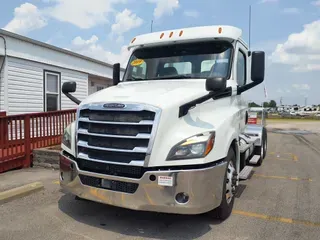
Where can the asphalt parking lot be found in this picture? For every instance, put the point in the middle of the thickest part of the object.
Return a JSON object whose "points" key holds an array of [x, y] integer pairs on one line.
{"points": [[280, 201]]}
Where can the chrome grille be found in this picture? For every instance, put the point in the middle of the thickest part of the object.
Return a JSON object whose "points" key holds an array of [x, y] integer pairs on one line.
{"points": [[122, 136]]}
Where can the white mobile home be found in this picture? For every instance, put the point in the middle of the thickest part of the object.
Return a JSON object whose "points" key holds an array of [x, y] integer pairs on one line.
{"points": [[33, 72]]}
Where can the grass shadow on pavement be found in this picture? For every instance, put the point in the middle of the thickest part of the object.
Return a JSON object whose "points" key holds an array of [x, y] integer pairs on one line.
{"points": [[135, 223]]}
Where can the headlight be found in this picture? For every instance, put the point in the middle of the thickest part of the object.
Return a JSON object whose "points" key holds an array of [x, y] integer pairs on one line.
{"points": [[197, 146], [66, 140]]}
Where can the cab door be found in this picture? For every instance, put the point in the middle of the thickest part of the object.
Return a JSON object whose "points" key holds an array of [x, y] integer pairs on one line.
{"points": [[241, 73]]}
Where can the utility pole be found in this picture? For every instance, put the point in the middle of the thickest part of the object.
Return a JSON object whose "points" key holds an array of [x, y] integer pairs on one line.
{"points": [[249, 26], [305, 101], [151, 25], [280, 101]]}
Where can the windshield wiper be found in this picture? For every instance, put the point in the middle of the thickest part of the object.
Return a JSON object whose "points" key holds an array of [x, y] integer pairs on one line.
{"points": [[175, 77], [159, 78], [135, 79]]}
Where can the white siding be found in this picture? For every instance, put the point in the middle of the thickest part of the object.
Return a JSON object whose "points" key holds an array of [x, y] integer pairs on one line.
{"points": [[2, 84], [25, 86], [93, 83]]}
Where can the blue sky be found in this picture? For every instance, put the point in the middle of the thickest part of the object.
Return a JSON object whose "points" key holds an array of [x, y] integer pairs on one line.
{"points": [[287, 30]]}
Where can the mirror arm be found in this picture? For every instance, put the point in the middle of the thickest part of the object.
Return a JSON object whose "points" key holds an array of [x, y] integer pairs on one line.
{"points": [[72, 98], [247, 87], [184, 109]]}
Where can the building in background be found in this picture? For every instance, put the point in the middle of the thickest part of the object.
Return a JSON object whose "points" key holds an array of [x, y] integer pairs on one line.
{"points": [[33, 72]]}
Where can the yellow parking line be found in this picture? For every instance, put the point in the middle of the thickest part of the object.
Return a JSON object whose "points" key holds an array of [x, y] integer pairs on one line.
{"points": [[282, 177], [273, 153], [293, 157], [276, 219], [56, 182], [283, 159]]}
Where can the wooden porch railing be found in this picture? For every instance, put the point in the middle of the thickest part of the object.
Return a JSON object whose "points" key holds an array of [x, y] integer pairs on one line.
{"points": [[20, 134]]}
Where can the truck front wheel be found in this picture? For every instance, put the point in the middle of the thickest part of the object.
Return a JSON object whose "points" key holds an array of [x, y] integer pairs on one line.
{"points": [[224, 210], [262, 150]]}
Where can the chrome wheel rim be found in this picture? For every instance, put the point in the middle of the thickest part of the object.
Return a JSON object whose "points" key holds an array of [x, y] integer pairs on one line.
{"points": [[229, 185]]}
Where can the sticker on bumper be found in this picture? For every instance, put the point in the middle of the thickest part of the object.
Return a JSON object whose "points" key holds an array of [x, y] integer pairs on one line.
{"points": [[165, 181]]}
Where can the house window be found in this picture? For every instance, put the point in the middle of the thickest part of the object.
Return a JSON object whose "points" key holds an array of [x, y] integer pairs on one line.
{"points": [[99, 88], [52, 91]]}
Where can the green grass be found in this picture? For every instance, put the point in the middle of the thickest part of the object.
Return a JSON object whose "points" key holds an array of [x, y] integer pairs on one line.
{"points": [[292, 120]]}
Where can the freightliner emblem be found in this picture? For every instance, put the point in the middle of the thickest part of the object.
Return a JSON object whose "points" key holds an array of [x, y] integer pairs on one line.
{"points": [[114, 105]]}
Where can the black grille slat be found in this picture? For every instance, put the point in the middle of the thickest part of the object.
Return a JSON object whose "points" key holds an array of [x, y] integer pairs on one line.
{"points": [[114, 129], [116, 143], [111, 169], [110, 156], [117, 116], [118, 186]]}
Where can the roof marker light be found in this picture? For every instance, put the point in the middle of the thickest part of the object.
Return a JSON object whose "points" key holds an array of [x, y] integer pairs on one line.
{"points": [[181, 32], [170, 34], [220, 30], [133, 40], [161, 36]]}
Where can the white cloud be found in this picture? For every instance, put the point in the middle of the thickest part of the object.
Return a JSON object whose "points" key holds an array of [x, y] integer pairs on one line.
{"points": [[301, 50], [191, 13], [279, 90], [291, 10], [27, 17], [92, 48], [268, 1], [78, 41], [302, 86], [316, 3], [81, 13], [125, 21], [164, 7]]}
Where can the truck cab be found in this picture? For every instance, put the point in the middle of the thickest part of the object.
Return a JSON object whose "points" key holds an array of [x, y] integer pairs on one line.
{"points": [[170, 136]]}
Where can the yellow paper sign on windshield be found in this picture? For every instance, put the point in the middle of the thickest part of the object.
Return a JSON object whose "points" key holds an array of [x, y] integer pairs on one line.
{"points": [[137, 62]]}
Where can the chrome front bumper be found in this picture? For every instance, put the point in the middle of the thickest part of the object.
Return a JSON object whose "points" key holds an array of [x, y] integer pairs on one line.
{"points": [[203, 186]]}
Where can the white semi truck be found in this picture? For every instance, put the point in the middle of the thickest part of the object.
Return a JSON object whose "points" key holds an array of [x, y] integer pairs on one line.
{"points": [[172, 135]]}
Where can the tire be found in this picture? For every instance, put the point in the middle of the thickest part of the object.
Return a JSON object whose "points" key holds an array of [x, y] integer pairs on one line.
{"points": [[265, 143], [224, 210], [262, 150]]}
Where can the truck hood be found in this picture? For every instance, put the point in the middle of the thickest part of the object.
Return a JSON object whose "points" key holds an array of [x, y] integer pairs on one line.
{"points": [[159, 93]]}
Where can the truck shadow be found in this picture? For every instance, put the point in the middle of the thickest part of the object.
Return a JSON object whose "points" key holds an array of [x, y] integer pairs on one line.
{"points": [[136, 224]]}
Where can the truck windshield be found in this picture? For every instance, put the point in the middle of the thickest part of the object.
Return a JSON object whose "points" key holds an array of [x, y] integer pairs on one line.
{"points": [[188, 60]]}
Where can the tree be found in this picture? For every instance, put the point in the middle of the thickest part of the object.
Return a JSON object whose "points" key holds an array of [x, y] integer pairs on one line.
{"points": [[265, 104], [253, 104], [272, 104]]}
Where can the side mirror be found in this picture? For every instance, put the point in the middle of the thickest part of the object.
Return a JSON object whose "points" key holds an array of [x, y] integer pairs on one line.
{"points": [[116, 73], [216, 84], [257, 66], [69, 87], [257, 71]]}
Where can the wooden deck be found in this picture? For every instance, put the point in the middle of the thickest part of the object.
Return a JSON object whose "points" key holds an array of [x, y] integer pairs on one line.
{"points": [[20, 134]]}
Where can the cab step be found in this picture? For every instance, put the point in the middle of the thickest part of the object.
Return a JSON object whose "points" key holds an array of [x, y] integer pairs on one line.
{"points": [[244, 174], [255, 159]]}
